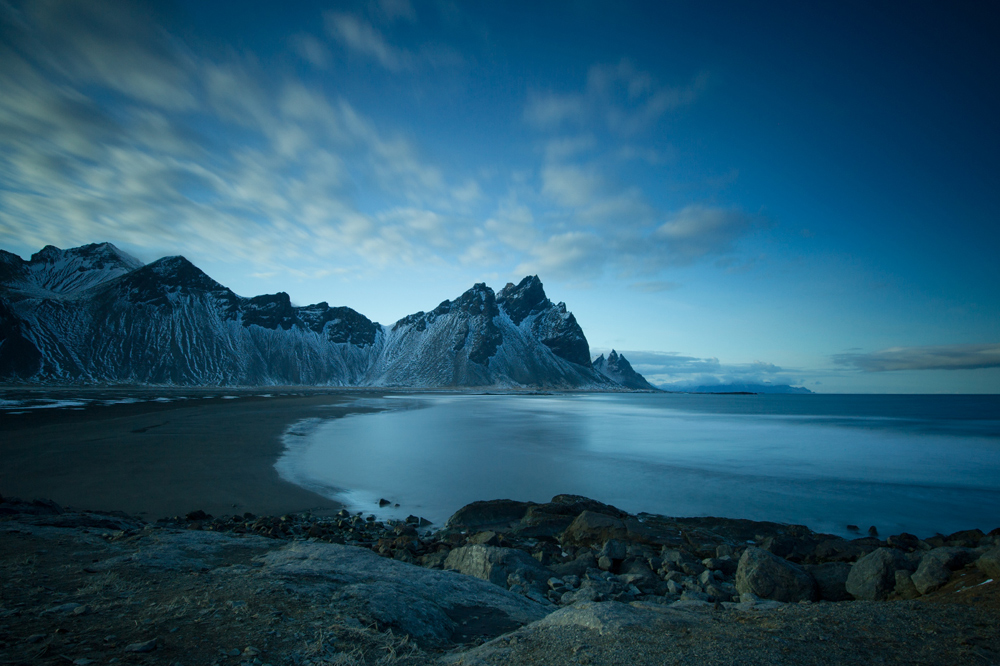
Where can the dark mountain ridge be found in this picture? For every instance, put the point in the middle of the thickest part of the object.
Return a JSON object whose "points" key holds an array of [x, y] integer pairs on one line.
{"points": [[96, 315]]}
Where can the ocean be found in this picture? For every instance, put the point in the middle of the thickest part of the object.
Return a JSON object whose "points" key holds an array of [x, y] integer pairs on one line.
{"points": [[918, 464]]}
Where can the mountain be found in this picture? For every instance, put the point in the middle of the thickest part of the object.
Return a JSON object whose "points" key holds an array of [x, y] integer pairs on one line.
{"points": [[741, 388], [617, 368], [55, 271], [96, 315]]}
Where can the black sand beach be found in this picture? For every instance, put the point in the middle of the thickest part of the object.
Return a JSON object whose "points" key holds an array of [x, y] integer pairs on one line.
{"points": [[159, 459]]}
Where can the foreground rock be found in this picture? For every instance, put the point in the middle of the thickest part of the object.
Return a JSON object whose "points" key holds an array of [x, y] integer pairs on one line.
{"points": [[873, 577], [771, 577], [88, 588], [429, 606]]}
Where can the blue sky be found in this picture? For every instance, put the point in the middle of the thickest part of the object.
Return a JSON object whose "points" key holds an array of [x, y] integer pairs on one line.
{"points": [[799, 193]]}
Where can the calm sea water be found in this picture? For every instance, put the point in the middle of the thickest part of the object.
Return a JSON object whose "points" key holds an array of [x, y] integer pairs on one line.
{"points": [[921, 464]]}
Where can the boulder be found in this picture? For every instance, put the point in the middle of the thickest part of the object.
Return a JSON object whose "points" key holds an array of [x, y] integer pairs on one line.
{"points": [[574, 505], [543, 521], [842, 550], [792, 548], [771, 577], [594, 528], [498, 515], [831, 580], [905, 542], [724, 564], [930, 575], [904, 585], [951, 557], [638, 573], [989, 563], [488, 538], [578, 567], [873, 577], [678, 560], [497, 565], [965, 538]]}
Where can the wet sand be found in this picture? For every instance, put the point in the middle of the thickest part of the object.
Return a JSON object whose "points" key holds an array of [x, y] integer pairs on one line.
{"points": [[160, 459]]}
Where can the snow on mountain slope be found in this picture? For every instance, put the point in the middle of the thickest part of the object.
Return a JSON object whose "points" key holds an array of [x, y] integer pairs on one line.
{"points": [[93, 314], [65, 271], [472, 341], [170, 323]]}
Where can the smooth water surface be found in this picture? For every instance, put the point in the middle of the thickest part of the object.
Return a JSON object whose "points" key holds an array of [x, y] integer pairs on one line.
{"points": [[921, 464]]}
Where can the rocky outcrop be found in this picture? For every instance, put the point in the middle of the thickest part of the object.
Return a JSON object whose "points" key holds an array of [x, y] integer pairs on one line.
{"points": [[424, 604], [527, 306], [345, 584], [184, 592], [490, 514]]}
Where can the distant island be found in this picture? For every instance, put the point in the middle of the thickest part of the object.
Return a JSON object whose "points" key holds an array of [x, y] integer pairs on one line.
{"points": [[738, 388]]}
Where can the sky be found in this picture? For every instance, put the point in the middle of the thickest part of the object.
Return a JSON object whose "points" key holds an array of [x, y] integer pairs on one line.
{"points": [[785, 193]]}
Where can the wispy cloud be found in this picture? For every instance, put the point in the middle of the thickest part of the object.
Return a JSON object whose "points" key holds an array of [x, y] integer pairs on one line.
{"points": [[311, 50], [362, 37], [654, 286], [697, 231], [939, 357], [119, 131], [273, 179], [620, 97]]}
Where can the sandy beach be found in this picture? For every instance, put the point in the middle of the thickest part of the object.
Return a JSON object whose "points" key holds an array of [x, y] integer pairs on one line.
{"points": [[160, 459]]}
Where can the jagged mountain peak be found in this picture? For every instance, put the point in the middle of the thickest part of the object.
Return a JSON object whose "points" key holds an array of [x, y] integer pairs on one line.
{"points": [[159, 284], [479, 300], [526, 298], [177, 271], [617, 368]]}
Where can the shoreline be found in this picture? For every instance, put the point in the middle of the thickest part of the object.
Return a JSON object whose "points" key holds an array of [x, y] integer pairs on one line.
{"points": [[160, 452], [157, 459]]}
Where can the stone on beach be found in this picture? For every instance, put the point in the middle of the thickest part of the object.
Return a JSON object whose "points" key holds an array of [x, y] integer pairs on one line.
{"points": [[873, 577], [497, 565], [930, 575], [771, 577], [831, 580], [989, 563], [489, 514], [593, 528], [954, 558], [905, 588]]}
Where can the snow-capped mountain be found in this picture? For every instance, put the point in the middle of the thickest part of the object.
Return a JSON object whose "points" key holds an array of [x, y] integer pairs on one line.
{"points": [[96, 315], [617, 368], [56, 271]]}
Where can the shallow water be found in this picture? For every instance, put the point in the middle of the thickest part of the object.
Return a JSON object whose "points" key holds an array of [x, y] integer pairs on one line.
{"points": [[921, 464]]}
